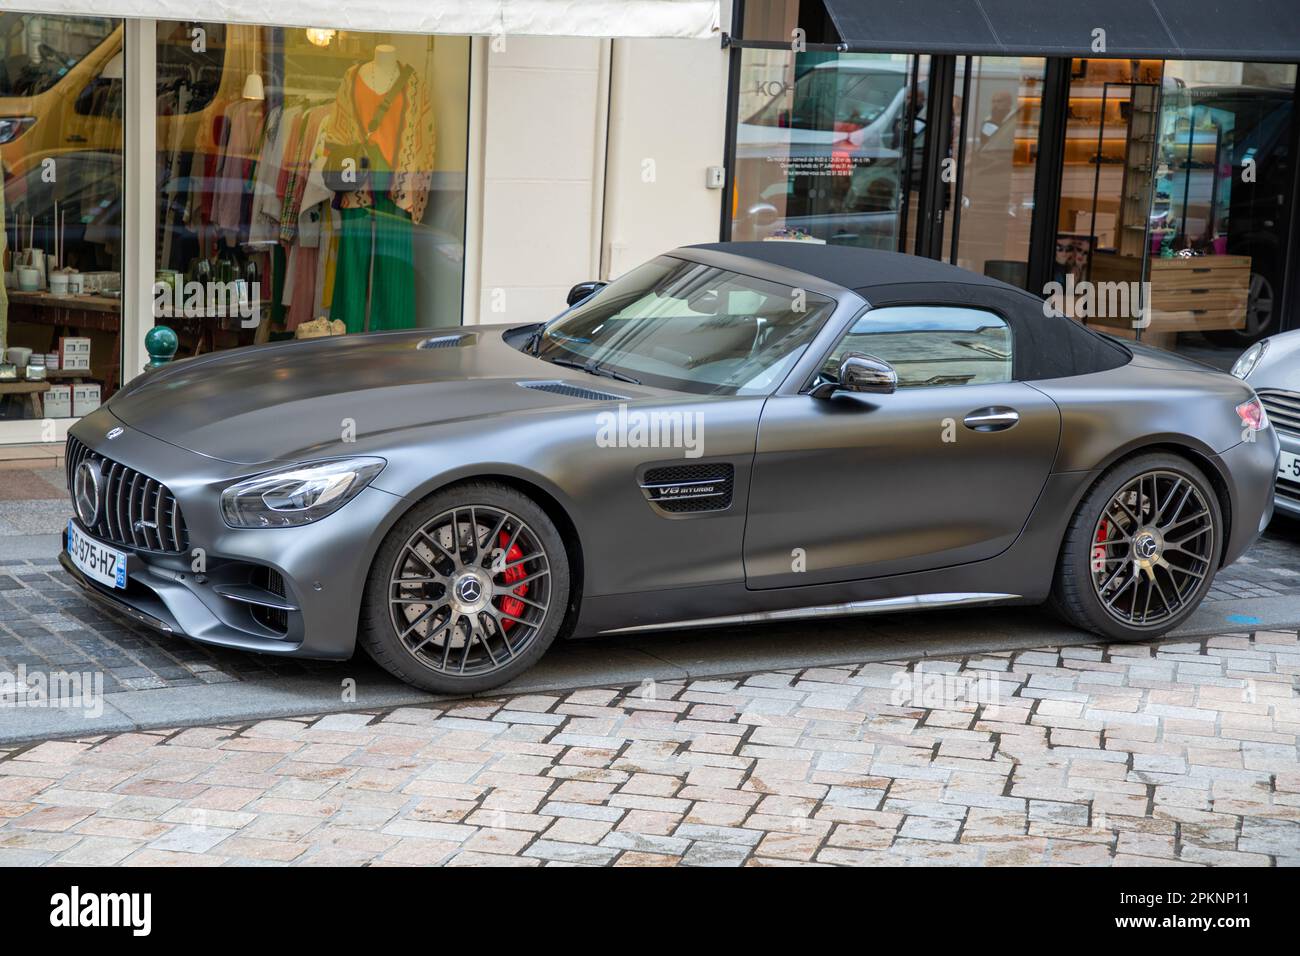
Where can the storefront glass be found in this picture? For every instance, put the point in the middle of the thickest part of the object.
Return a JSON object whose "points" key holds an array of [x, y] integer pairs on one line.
{"points": [[61, 136], [1221, 200], [311, 182], [823, 146], [1177, 174], [999, 108]]}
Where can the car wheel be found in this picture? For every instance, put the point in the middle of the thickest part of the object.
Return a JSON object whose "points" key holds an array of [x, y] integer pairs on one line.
{"points": [[466, 591], [1261, 316], [1141, 550]]}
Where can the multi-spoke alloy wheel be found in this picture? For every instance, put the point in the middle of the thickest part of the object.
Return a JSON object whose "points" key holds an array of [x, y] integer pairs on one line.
{"points": [[475, 582], [1153, 548], [1142, 549], [469, 590]]}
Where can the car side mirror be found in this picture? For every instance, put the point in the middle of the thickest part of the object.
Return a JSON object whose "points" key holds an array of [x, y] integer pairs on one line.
{"points": [[860, 372], [582, 290]]}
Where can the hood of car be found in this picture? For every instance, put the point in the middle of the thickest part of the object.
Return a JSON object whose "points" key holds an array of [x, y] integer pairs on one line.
{"points": [[1280, 365], [286, 401]]}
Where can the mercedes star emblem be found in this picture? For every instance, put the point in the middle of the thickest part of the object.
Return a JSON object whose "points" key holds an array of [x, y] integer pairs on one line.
{"points": [[86, 492]]}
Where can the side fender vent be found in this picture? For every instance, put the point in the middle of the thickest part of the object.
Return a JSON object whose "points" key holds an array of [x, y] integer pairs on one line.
{"points": [[451, 341], [689, 489], [569, 390]]}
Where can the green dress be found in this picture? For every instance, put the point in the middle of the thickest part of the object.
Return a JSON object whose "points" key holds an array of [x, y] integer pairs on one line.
{"points": [[392, 306]]}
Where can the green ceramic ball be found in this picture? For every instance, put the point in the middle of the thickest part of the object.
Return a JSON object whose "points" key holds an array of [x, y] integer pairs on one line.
{"points": [[161, 343]]}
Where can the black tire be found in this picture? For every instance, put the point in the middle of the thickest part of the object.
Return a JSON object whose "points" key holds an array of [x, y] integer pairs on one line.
{"points": [[1094, 561], [417, 572]]}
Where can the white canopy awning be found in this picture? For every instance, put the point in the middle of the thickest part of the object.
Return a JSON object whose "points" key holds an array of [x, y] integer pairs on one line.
{"points": [[683, 19]]}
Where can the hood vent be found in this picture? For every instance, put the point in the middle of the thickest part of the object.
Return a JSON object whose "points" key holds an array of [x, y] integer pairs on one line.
{"points": [[569, 390], [454, 340]]}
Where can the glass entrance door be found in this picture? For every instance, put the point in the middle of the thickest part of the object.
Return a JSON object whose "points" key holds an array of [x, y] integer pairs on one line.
{"points": [[999, 101]]}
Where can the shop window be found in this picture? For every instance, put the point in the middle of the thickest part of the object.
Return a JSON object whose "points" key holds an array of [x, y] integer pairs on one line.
{"points": [[311, 182], [931, 345], [61, 152], [823, 146], [1220, 203]]}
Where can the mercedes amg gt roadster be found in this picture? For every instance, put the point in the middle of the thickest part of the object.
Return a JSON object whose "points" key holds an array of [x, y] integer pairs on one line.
{"points": [[728, 433]]}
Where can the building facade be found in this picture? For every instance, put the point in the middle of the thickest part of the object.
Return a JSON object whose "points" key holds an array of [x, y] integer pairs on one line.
{"points": [[1133, 163], [224, 179]]}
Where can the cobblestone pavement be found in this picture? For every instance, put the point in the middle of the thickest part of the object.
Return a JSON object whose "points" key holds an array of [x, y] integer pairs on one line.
{"points": [[1176, 753], [47, 624]]}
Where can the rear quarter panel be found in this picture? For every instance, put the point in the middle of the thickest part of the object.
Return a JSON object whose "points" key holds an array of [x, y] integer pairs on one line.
{"points": [[1106, 415]]}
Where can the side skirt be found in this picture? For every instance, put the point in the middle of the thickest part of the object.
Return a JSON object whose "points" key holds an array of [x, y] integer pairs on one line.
{"points": [[878, 606]]}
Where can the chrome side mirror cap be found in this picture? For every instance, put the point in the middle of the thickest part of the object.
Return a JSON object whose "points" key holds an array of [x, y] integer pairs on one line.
{"points": [[860, 372]]}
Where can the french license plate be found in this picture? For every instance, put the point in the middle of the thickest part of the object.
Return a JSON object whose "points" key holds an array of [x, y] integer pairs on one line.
{"points": [[96, 560], [1288, 466]]}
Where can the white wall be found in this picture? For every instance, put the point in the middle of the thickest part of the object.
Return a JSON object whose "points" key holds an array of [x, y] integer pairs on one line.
{"points": [[542, 147], [667, 125], [587, 157]]}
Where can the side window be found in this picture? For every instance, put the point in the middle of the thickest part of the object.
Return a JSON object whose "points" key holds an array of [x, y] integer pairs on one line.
{"points": [[931, 345]]}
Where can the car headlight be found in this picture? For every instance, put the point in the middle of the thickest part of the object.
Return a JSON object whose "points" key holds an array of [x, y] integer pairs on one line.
{"points": [[1248, 359], [297, 495], [11, 127]]}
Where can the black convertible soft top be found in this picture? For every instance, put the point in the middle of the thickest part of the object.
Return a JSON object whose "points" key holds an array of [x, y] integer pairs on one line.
{"points": [[1045, 346]]}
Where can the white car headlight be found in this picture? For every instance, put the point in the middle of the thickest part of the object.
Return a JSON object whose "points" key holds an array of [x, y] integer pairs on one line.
{"points": [[1248, 359], [297, 495]]}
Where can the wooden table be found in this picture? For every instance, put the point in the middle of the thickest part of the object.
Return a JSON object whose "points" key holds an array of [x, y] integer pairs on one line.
{"points": [[77, 314], [32, 392]]}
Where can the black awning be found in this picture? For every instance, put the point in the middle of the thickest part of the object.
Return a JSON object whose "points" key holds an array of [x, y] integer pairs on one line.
{"points": [[1265, 30]]}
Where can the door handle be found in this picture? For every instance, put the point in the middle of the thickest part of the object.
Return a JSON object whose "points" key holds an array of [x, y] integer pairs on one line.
{"points": [[995, 418]]}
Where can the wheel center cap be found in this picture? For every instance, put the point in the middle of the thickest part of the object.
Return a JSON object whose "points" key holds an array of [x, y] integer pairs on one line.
{"points": [[1147, 545], [471, 592]]}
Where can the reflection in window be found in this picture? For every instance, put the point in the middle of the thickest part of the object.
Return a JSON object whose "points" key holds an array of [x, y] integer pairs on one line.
{"points": [[311, 182], [932, 345], [61, 135], [821, 148]]}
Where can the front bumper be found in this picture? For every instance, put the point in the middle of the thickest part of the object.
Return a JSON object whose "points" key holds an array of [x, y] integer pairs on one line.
{"points": [[1287, 495], [217, 592]]}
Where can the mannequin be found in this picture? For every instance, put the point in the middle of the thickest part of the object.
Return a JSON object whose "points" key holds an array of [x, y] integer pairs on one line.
{"points": [[381, 72]]}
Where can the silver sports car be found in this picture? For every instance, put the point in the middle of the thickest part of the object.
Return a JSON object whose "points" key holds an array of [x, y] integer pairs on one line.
{"points": [[1272, 366], [728, 433]]}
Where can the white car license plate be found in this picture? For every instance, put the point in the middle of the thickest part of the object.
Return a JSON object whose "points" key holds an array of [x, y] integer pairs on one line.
{"points": [[1288, 466], [96, 560]]}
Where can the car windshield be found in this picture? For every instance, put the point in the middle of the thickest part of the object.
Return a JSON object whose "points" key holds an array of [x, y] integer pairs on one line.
{"points": [[687, 326], [39, 50]]}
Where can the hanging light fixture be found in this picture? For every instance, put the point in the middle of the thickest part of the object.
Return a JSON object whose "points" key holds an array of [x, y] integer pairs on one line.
{"points": [[319, 36]]}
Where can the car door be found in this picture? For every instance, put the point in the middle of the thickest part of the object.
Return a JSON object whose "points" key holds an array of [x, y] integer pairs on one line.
{"points": [[943, 471]]}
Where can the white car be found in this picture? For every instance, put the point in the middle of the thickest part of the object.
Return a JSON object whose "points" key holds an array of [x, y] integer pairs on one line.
{"points": [[1272, 367]]}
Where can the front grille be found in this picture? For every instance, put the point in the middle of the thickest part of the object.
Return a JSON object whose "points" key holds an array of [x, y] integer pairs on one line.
{"points": [[1283, 409], [688, 489], [136, 511]]}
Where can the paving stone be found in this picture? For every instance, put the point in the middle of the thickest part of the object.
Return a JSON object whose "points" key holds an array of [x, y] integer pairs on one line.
{"points": [[1096, 755]]}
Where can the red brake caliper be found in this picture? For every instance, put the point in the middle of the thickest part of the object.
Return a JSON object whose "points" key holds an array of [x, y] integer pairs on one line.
{"points": [[1099, 552], [509, 605]]}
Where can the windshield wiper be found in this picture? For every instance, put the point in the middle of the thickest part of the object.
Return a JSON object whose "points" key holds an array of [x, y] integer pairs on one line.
{"points": [[595, 368]]}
